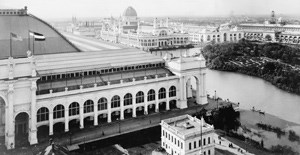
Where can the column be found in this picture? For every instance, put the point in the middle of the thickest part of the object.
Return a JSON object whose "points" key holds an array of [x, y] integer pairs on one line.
{"points": [[10, 123], [198, 94], [81, 115], [203, 87], [108, 110], [168, 99], [122, 108], [66, 119], [183, 101], [51, 122], [134, 107], [146, 104], [156, 102], [95, 112], [33, 131]]}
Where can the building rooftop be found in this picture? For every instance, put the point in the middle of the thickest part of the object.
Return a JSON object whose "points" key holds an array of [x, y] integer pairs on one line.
{"points": [[68, 62], [21, 25], [272, 25], [186, 126]]}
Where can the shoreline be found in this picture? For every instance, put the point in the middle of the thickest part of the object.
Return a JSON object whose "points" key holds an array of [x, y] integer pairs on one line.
{"points": [[249, 119], [256, 76]]}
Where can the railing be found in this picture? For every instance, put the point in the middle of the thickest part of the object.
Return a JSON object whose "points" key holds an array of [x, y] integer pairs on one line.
{"points": [[99, 84]]}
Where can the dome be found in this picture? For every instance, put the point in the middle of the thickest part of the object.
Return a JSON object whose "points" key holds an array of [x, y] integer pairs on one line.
{"points": [[130, 12]]}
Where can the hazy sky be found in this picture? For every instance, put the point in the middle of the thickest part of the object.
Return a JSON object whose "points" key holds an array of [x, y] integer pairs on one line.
{"points": [[48, 9]]}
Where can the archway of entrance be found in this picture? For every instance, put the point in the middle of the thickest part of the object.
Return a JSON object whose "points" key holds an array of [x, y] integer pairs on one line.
{"points": [[151, 108], [162, 106], [115, 116], [88, 122], [21, 130], [43, 133], [102, 118], [58, 129], [74, 125], [140, 111], [128, 113]]}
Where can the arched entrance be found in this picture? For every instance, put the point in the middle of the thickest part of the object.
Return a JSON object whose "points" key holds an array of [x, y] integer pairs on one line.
{"points": [[115, 116], [162, 106], [21, 129], [88, 122], [225, 36], [74, 125], [43, 133], [173, 104], [58, 129], [140, 111], [128, 113], [151, 108], [191, 87], [102, 118]]}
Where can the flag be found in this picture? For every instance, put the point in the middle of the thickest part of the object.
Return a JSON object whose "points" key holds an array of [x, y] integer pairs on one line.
{"points": [[16, 37], [37, 36]]}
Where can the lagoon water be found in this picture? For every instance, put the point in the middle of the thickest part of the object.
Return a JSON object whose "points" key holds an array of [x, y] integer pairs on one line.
{"points": [[248, 91]]}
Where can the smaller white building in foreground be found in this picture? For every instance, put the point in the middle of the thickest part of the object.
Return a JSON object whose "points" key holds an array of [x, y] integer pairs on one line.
{"points": [[187, 135]]}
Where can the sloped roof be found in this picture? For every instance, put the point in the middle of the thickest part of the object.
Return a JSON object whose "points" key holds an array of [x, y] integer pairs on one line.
{"points": [[21, 25]]}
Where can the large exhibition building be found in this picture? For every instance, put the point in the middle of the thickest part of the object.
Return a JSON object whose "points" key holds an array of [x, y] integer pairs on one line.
{"points": [[50, 84]]}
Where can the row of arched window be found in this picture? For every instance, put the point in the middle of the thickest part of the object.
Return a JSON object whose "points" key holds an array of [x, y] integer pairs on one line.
{"points": [[58, 111]]}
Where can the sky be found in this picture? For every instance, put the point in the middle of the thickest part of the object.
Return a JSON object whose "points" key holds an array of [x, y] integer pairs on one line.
{"points": [[54, 9]]}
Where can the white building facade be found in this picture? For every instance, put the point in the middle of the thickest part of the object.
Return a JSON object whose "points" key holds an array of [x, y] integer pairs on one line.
{"points": [[186, 135], [129, 32], [59, 88]]}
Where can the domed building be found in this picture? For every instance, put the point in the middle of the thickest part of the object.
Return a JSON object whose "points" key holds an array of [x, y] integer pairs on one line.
{"points": [[59, 88], [129, 20], [146, 37]]}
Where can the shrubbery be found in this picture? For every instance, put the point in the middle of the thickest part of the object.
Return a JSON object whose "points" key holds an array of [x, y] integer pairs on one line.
{"points": [[279, 74]]}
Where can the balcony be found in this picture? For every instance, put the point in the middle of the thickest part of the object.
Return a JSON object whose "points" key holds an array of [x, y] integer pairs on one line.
{"points": [[77, 83]]}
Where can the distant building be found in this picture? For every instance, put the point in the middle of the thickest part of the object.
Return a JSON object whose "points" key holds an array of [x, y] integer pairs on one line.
{"points": [[186, 135], [274, 30], [57, 87], [223, 33], [128, 30]]}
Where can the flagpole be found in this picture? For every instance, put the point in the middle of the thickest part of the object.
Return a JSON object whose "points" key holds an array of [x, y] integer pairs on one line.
{"points": [[10, 50]]}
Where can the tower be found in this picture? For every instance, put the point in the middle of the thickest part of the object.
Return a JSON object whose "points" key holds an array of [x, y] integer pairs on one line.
{"points": [[155, 23], [167, 22]]}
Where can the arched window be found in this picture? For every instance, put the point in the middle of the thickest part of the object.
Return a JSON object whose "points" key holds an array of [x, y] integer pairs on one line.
{"points": [[208, 152], [208, 140], [162, 93], [140, 97], [115, 101], [42, 114], [59, 111], [203, 141], [172, 91], [102, 103], [88, 106], [74, 109], [151, 95], [127, 99]]}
